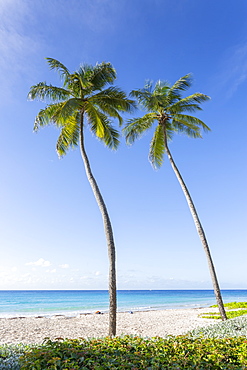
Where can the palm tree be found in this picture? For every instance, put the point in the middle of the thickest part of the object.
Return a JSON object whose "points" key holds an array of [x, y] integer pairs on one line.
{"points": [[85, 97], [165, 105]]}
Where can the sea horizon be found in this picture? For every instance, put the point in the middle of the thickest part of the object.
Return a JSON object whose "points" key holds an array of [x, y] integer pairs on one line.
{"points": [[72, 302], [118, 290]]}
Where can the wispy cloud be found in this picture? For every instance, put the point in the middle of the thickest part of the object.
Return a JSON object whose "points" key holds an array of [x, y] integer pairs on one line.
{"points": [[238, 67], [40, 262], [16, 45], [38, 275], [31, 29], [233, 71], [64, 266]]}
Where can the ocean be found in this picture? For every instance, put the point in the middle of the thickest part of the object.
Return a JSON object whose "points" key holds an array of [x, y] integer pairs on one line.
{"points": [[21, 303]]}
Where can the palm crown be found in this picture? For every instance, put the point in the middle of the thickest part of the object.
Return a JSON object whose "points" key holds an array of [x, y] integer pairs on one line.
{"points": [[83, 92], [165, 106]]}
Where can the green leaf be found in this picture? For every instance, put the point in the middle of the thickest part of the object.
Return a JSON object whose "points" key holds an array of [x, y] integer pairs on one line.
{"points": [[69, 136], [157, 147], [136, 127], [63, 71], [42, 91], [95, 119]]}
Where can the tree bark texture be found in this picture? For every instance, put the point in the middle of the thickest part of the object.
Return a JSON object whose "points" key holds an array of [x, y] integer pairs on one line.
{"points": [[200, 231], [108, 233]]}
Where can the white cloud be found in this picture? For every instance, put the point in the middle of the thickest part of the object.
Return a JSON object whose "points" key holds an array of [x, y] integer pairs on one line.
{"points": [[85, 277], [9, 278], [64, 266], [38, 275], [5, 272], [40, 262]]}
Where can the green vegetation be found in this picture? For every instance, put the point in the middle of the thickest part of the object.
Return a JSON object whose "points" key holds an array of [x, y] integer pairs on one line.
{"points": [[236, 327], [219, 346], [9, 356], [230, 314], [233, 305], [134, 353]]}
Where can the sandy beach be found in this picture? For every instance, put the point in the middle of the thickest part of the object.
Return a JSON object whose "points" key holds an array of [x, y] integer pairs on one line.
{"points": [[143, 323]]}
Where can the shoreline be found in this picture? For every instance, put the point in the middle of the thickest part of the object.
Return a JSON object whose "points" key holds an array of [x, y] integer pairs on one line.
{"points": [[70, 314], [148, 323]]}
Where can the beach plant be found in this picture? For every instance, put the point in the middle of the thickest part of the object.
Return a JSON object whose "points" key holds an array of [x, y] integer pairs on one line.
{"points": [[87, 96], [230, 314], [181, 352], [233, 305], [165, 106], [232, 311], [10, 354], [236, 327]]}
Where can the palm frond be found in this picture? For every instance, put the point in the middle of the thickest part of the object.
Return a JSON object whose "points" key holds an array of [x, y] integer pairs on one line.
{"points": [[68, 109], [141, 95], [62, 70], [180, 107], [181, 84], [42, 91], [135, 127], [153, 99], [69, 135], [148, 100], [109, 110], [169, 131], [46, 116], [103, 74], [101, 127], [161, 88], [115, 97], [57, 114], [197, 98], [190, 120], [157, 147], [81, 80], [95, 119], [41, 120], [188, 129], [112, 101], [111, 135], [190, 103], [148, 86]]}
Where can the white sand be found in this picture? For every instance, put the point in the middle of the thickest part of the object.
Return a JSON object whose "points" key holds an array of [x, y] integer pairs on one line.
{"points": [[145, 324]]}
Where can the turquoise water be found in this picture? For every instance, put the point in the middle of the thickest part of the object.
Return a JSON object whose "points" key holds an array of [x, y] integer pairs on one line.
{"points": [[15, 303]]}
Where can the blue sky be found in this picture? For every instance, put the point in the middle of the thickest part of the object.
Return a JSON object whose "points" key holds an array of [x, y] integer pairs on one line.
{"points": [[51, 232]]}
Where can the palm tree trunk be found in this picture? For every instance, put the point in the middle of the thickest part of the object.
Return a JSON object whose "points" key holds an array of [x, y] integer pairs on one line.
{"points": [[200, 231], [109, 236]]}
